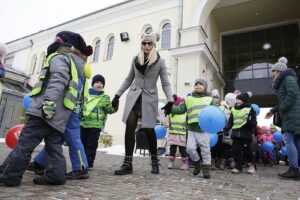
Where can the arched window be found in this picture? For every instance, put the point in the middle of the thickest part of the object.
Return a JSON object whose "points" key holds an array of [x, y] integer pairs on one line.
{"points": [[42, 60], [110, 48], [149, 30], [96, 51], [33, 64], [166, 36]]}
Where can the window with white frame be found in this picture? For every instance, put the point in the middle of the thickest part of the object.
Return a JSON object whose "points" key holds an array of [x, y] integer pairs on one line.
{"points": [[110, 48], [149, 30], [41, 62], [9, 60], [33, 64], [166, 36], [96, 51]]}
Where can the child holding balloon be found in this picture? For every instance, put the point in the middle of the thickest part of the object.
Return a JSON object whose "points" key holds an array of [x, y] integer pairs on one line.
{"points": [[243, 123], [193, 105], [267, 155]]}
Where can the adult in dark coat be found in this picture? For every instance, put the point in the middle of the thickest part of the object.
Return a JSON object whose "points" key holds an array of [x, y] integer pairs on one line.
{"points": [[287, 90], [142, 99]]}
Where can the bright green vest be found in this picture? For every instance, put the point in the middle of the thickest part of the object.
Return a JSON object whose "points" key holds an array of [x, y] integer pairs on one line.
{"points": [[240, 117], [194, 107], [95, 114], [71, 94], [222, 107], [178, 124]]}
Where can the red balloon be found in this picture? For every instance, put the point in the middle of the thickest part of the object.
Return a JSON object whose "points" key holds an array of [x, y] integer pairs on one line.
{"points": [[12, 136]]}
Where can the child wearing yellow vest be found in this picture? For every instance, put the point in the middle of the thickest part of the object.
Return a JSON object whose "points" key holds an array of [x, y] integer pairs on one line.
{"points": [[243, 123], [193, 105], [98, 106], [177, 136]]}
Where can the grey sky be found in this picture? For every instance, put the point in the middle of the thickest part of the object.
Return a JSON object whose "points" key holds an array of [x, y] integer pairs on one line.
{"points": [[19, 18]]}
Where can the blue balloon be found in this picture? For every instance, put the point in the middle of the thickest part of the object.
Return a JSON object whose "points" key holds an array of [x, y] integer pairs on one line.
{"points": [[213, 139], [268, 146], [26, 101], [160, 131], [278, 137], [212, 119], [256, 108], [283, 151]]}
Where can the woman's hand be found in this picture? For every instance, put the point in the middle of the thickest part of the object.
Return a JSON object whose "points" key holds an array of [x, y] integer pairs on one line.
{"points": [[168, 108], [115, 102], [268, 115]]}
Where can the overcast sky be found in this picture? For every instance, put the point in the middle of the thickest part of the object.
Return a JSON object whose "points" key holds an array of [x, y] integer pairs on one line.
{"points": [[19, 18]]}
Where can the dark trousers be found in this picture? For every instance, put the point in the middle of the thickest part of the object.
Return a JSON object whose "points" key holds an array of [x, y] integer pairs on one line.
{"points": [[241, 150], [182, 150], [131, 125], [90, 138], [35, 130], [267, 157], [218, 150]]}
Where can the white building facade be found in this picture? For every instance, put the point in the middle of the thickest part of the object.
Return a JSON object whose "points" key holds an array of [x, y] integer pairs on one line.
{"points": [[214, 39]]}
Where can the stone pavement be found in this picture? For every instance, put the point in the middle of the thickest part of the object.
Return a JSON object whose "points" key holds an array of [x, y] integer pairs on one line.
{"points": [[169, 184]]}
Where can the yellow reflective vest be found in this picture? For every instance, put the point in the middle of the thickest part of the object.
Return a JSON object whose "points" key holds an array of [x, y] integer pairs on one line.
{"points": [[72, 91], [178, 124], [195, 105], [240, 117]]}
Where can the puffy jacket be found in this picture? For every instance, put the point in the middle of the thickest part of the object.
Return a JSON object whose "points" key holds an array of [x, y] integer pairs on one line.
{"points": [[247, 130], [288, 94], [98, 107], [54, 88]]}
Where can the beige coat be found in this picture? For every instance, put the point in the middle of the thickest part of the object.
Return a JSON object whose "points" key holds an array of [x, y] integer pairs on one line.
{"points": [[145, 85]]}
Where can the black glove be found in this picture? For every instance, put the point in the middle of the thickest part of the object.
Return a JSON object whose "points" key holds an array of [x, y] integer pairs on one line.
{"points": [[168, 108], [115, 102]]}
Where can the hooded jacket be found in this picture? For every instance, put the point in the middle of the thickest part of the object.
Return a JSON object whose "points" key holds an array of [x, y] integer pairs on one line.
{"points": [[55, 86]]}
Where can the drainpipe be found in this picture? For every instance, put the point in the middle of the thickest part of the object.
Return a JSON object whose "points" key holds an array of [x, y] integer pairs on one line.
{"points": [[180, 22]]}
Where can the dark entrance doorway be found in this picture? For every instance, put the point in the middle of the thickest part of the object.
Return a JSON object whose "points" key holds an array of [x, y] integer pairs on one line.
{"points": [[248, 58]]}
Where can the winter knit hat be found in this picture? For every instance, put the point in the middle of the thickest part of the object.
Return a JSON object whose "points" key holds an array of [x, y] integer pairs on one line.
{"points": [[177, 100], [280, 65], [98, 77], [76, 41], [202, 81], [215, 94], [153, 37], [244, 96]]}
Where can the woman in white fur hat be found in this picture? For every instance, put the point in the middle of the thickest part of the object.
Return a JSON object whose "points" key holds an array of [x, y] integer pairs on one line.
{"points": [[142, 99]]}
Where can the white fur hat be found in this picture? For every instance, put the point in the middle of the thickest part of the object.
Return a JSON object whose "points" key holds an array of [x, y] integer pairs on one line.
{"points": [[153, 37]]}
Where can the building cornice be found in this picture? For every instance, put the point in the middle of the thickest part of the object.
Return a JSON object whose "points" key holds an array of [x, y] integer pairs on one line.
{"points": [[201, 49], [110, 15]]}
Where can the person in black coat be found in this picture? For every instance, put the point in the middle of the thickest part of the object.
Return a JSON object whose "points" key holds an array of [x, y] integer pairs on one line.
{"points": [[243, 123]]}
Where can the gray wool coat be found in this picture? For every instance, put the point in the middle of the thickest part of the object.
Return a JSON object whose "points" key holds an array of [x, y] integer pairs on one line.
{"points": [[145, 85], [54, 89]]}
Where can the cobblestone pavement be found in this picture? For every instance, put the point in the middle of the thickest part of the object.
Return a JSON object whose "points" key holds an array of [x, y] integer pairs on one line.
{"points": [[169, 184]]}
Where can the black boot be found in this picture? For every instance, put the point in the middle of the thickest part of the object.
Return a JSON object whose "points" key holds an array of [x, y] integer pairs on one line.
{"points": [[36, 168], [155, 164], [42, 181], [290, 173], [198, 167], [126, 167]]}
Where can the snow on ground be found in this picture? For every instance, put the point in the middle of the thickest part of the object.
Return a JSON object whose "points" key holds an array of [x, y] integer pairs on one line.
{"points": [[120, 149]]}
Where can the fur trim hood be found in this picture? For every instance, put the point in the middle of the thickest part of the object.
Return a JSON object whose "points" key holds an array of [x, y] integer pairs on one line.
{"points": [[288, 72]]}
